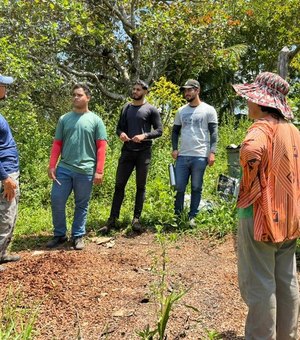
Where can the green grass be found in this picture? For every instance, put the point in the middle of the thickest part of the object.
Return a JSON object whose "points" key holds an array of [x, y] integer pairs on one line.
{"points": [[33, 220], [17, 317]]}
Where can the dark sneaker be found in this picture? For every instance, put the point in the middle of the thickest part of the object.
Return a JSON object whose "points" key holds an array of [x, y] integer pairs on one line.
{"points": [[78, 243], [56, 241], [136, 225], [9, 258], [110, 224]]}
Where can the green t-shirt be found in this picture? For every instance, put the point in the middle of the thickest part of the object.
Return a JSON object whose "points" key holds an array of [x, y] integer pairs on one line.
{"points": [[79, 133], [245, 212]]}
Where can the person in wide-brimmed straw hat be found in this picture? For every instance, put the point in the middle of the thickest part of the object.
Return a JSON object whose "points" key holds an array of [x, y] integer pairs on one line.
{"points": [[269, 211], [268, 90]]}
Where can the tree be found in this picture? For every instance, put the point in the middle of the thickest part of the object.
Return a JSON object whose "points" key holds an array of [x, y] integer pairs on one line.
{"points": [[48, 45], [266, 27], [110, 43]]}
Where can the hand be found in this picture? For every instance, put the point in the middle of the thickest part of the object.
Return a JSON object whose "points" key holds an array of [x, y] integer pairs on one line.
{"points": [[138, 138], [211, 159], [98, 178], [124, 137], [174, 154], [10, 187], [52, 173]]}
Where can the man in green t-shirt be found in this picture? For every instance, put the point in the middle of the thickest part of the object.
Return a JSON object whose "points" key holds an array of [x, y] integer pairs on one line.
{"points": [[80, 141]]}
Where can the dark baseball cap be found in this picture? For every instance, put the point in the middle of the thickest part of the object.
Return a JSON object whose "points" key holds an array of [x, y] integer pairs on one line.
{"points": [[190, 84], [142, 83], [6, 80]]}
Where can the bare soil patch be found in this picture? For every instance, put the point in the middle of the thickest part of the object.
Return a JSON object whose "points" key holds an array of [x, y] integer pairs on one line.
{"points": [[105, 292]]}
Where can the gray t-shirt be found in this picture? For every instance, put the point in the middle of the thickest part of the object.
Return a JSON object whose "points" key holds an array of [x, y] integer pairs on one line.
{"points": [[195, 136]]}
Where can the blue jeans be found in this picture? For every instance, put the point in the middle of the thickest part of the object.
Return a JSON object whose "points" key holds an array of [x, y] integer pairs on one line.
{"points": [[81, 185], [187, 166]]}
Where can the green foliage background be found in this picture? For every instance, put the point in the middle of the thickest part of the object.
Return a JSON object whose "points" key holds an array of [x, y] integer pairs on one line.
{"points": [[49, 45], [34, 145]]}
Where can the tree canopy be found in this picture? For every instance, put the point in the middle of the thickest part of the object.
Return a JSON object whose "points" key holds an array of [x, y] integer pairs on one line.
{"points": [[49, 45]]}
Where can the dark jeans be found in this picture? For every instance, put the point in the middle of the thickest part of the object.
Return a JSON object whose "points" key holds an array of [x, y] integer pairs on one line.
{"points": [[140, 160]]}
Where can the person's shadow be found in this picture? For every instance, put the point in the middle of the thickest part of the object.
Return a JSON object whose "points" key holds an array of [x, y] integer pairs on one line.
{"points": [[29, 242], [231, 335], [298, 258]]}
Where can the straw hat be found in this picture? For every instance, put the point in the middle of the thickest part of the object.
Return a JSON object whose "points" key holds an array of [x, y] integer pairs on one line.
{"points": [[268, 89]]}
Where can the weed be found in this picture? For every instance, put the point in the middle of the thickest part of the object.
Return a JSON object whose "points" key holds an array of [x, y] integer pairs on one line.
{"points": [[165, 298], [213, 335], [17, 319], [218, 222]]}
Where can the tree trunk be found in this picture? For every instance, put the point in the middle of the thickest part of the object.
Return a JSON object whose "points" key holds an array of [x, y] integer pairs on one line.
{"points": [[283, 62]]}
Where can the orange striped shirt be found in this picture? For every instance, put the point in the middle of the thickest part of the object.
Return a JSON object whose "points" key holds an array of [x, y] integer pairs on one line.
{"points": [[270, 159]]}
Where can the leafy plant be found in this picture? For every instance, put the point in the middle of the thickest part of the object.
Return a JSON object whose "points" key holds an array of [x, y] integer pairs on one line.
{"points": [[219, 221]]}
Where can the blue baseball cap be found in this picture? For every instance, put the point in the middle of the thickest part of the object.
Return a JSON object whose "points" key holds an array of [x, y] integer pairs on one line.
{"points": [[6, 80]]}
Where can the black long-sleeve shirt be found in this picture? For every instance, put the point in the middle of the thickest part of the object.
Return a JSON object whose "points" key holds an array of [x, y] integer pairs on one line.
{"points": [[136, 120]]}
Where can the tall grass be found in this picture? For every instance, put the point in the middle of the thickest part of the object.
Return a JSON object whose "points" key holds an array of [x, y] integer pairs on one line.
{"points": [[35, 219], [17, 317]]}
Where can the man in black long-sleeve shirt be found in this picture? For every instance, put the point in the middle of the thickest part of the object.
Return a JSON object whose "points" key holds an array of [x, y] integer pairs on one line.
{"points": [[139, 123]]}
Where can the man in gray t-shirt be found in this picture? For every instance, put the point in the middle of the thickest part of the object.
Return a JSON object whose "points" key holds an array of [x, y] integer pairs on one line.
{"points": [[197, 123]]}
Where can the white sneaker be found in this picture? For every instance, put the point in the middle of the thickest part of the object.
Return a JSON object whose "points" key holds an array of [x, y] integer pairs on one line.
{"points": [[192, 223]]}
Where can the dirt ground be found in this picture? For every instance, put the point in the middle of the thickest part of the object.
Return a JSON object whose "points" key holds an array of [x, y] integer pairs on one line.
{"points": [[105, 291]]}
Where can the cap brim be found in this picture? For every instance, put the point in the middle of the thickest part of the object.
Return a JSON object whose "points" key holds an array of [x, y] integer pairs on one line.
{"points": [[188, 87], [6, 80]]}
